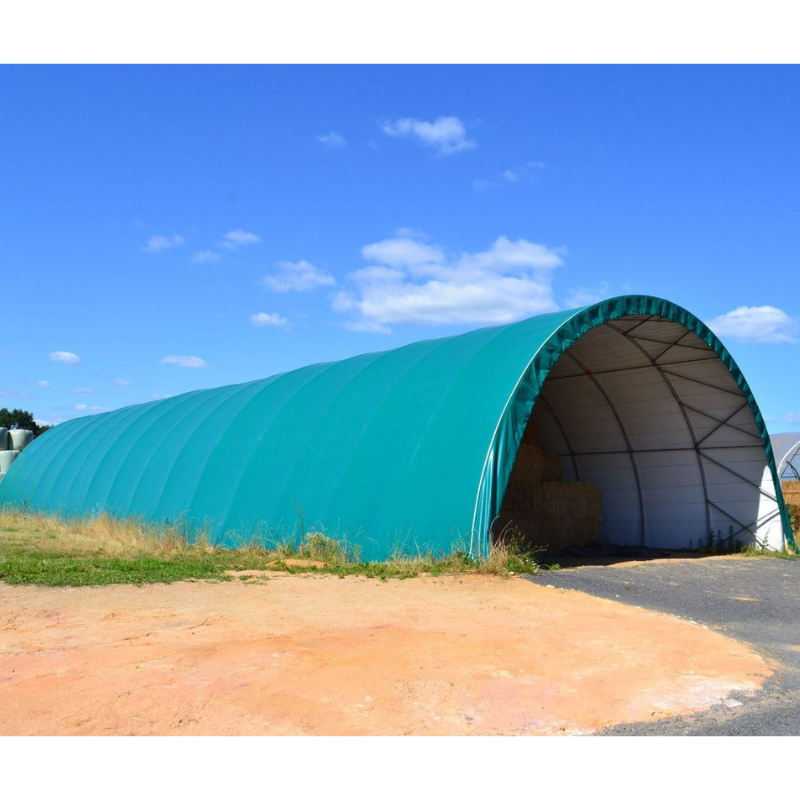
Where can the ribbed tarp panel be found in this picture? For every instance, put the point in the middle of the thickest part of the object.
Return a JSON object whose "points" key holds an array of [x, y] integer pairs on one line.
{"points": [[410, 448]]}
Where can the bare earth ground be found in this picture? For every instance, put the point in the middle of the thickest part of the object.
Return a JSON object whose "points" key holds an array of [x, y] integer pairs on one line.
{"points": [[324, 655]]}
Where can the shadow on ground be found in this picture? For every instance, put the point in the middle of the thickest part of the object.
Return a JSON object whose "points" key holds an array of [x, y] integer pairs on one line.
{"points": [[607, 555], [753, 600]]}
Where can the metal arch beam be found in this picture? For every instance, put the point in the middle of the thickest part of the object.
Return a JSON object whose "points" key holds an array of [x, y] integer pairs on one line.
{"points": [[670, 345], [624, 432], [729, 424], [583, 453], [649, 365], [664, 369], [689, 428], [740, 477], [725, 422]]}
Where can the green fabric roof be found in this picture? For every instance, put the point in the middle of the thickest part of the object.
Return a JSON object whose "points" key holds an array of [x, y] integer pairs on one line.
{"points": [[406, 448]]}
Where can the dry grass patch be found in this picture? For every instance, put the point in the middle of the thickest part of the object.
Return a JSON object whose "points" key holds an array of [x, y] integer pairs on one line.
{"points": [[49, 550]]}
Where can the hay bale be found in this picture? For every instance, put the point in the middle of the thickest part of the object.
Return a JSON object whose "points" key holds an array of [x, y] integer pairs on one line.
{"points": [[19, 439], [542, 510], [555, 514], [572, 513], [551, 468], [791, 492], [3, 439], [531, 436], [522, 498], [794, 516], [7, 458], [536, 466]]}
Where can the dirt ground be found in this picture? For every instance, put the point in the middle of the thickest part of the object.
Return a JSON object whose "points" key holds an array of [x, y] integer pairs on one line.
{"points": [[325, 655]]}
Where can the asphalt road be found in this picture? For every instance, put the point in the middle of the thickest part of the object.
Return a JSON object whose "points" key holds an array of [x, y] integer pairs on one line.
{"points": [[754, 600]]}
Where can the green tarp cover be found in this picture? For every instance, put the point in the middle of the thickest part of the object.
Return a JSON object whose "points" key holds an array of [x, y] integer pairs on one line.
{"points": [[410, 448]]}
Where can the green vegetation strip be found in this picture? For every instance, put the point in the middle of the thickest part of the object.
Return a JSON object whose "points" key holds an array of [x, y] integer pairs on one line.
{"points": [[48, 551]]}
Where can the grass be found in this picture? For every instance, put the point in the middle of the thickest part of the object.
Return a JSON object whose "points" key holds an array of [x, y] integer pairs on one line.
{"points": [[754, 551], [46, 550]]}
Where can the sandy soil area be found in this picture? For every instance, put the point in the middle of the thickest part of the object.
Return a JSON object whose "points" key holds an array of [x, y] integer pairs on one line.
{"points": [[324, 655]]}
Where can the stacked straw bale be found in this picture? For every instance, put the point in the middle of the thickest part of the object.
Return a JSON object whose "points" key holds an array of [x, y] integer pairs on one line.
{"points": [[791, 494], [544, 510]]}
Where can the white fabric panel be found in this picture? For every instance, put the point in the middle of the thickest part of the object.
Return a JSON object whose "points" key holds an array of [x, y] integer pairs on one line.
{"points": [[627, 403], [770, 529]]}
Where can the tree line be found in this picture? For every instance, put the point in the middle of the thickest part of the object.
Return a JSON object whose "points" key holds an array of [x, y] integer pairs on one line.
{"points": [[17, 418]]}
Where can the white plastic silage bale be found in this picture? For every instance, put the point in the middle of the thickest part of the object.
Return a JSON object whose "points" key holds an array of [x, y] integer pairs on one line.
{"points": [[19, 439], [6, 459], [3, 439]]}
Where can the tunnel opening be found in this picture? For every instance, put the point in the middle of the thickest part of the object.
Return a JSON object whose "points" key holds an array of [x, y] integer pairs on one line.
{"points": [[641, 438]]}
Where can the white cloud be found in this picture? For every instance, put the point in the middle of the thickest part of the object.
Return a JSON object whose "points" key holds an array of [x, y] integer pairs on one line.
{"points": [[123, 382], [84, 407], [587, 296], [238, 238], [416, 283], [402, 252], [82, 389], [297, 276], [333, 140], [516, 173], [189, 362], [65, 357], [264, 320], [765, 324], [155, 244], [43, 384], [792, 418], [205, 257], [482, 186], [447, 135], [366, 326]]}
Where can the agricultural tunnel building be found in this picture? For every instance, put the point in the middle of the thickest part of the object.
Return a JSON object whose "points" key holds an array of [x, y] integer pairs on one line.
{"points": [[626, 421], [786, 451]]}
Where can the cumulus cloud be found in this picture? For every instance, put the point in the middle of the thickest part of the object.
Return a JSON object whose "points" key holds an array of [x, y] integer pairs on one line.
{"points": [[402, 252], [205, 257], [189, 362], [446, 135], [297, 276], [232, 240], [524, 172], [82, 389], [155, 244], [123, 382], [586, 296], [412, 282], [333, 140], [366, 326], [264, 320], [765, 324], [43, 384], [84, 407], [65, 357], [792, 418]]}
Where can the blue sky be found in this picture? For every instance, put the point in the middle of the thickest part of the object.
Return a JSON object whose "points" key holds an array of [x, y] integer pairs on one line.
{"points": [[171, 228]]}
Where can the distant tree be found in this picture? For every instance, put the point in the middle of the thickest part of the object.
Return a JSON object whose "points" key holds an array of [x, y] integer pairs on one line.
{"points": [[21, 419]]}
